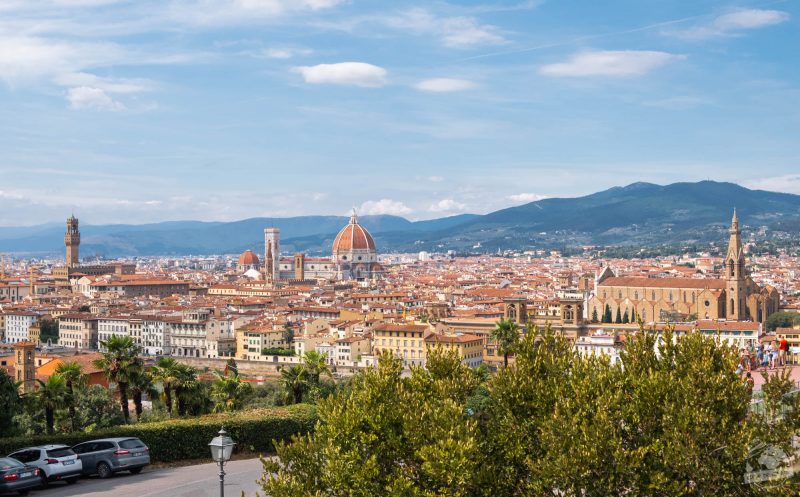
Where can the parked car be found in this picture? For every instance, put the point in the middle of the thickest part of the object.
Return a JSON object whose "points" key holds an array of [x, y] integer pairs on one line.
{"points": [[55, 462], [17, 477], [107, 456]]}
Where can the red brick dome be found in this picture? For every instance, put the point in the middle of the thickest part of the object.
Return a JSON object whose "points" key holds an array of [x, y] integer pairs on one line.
{"points": [[353, 237], [248, 258]]}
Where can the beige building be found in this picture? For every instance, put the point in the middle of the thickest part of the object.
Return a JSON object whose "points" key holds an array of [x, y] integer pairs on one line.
{"points": [[406, 341], [350, 349], [78, 331], [468, 347]]}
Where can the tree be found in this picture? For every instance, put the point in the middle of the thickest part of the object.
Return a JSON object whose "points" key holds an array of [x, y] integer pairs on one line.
{"points": [[387, 435], [9, 403], [97, 409], [185, 383], [506, 335], [229, 393], [165, 371], [782, 319], [51, 395], [625, 317], [72, 372], [288, 334], [594, 315], [618, 319], [607, 315], [48, 330], [141, 384], [119, 363], [294, 383], [315, 364]]}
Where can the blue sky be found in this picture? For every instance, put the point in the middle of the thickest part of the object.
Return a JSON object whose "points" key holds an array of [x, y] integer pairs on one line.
{"points": [[146, 110]]}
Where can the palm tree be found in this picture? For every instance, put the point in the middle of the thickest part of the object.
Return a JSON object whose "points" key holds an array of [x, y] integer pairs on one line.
{"points": [[229, 392], [72, 372], [52, 395], [506, 335], [294, 382], [315, 365], [185, 382], [166, 372], [120, 362], [141, 384]]}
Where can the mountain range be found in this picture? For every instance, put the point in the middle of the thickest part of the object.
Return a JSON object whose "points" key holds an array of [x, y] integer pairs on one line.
{"points": [[643, 214]]}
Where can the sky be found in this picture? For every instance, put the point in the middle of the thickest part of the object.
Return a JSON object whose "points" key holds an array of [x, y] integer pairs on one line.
{"points": [[136, 111]]}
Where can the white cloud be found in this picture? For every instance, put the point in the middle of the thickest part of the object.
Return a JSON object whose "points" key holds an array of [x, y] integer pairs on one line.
{"points": [[220, 12], [447, 205], [526, 197], [453, 32], [85, 97], [286, 52], [610, 63], [110, 85], [384, 206], [733, 23], [441, 85], [789, 183], [344, 73]]}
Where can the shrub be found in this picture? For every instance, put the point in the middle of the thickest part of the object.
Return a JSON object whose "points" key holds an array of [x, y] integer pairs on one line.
{"points": [[276, 351], [181, 439]]}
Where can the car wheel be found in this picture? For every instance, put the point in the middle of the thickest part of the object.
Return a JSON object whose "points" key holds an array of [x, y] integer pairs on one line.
{"points": [[136, 471], [43, 477], [104, 470]]}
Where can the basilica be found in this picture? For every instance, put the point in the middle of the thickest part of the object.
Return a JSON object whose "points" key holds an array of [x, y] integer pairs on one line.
{"points": [[734, 296], [353, 257]]}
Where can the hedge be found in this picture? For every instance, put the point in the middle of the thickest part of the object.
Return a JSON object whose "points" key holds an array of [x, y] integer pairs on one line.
{"points": [[181, 439]]}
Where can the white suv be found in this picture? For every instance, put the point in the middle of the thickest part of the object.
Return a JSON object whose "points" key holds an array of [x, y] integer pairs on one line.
{"points": [[56, 462]]}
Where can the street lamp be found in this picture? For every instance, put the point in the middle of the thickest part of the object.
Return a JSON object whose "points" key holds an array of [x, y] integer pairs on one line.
{"points": [[221, 450]]}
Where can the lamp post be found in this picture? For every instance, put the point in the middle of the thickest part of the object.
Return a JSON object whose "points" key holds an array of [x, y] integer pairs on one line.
{"points": [[221, 450]]}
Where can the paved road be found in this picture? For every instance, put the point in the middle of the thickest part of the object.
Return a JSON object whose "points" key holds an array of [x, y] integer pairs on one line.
{"points": [[189, 481]]}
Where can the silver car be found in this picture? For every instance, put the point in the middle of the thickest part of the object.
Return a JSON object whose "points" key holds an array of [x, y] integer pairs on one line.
{"points": [[107, 456], [55, 462]]}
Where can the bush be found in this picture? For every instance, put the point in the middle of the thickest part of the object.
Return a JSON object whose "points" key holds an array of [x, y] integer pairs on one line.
{"points": [[275, 351], [176, 440]]}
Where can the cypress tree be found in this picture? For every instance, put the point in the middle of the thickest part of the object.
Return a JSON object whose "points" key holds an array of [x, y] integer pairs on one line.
{"points": [[594, 315], [625, 317], [618, 319], [607, 315]]}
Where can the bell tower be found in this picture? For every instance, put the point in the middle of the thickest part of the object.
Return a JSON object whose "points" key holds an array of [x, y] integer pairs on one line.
{"points": [[72, 240], [735, 274], [272, 254]]}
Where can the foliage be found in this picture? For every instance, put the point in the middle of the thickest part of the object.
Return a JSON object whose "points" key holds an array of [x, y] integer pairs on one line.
{"points": [[277, 351], [388, 435], [166, 371], [294, 383], [229, 393], [506, 335], [269, 394], [48, 330], [51, 395], [9, 403], [288, 334], [671, 420], [186, 386], [74, 378], [182, 439], [782, 319], [96, 409], [120, 363]]}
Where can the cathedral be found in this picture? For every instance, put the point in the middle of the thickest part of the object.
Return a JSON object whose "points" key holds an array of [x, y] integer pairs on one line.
{"points": [[734, 296], [354, 257]]}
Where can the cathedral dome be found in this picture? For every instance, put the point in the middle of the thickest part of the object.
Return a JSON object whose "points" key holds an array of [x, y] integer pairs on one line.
{"points": [[353, 237], [248, 258]]}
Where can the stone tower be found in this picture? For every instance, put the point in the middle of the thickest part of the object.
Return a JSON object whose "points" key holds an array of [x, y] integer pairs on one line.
{"points": [[735, 275], [25, 367], [72, 240], [515, 309], [300, 266], [272, 254]]}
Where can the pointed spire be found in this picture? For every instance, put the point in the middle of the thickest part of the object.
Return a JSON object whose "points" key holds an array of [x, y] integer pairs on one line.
{"points": [[734, 222], [354, 217]]}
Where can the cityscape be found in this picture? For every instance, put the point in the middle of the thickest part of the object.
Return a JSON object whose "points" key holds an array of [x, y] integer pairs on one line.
{"points": [[336, 247]]}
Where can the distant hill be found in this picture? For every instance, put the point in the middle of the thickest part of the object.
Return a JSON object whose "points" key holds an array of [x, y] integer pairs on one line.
{"points": [[638, 214]]}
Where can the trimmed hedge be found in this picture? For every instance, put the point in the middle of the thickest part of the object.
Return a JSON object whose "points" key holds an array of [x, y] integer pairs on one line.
{"points": [[180, 439]]}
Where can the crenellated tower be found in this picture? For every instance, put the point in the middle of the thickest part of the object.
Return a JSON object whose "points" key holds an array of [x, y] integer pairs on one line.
{"points": [[72, 240]]}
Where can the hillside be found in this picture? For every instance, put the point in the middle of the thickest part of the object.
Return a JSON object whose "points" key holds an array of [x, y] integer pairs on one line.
{"points": [[642, 214]]}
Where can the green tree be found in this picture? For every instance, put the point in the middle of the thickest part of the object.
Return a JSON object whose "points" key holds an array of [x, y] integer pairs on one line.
{"points": [[506, 335], [618, 319], [315, 364], [166, 371], [288, 334], [119, 363], [229, 393], [626, 317], [185, 385], [607, 314], [72, 372], [388, 436], [594, 315], [141, 384], [9, 404], [782, 319], [294, 381], [97, 409], [51, 395], [48, 330]]}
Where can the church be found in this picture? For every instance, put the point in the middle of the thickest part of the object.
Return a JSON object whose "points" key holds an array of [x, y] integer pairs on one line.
{"points": [[734, 296], [354, 257]]}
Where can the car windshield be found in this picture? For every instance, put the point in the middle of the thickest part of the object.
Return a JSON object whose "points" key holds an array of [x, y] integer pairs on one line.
{"points": [[65, 452], [133, 443], [8, 463]]}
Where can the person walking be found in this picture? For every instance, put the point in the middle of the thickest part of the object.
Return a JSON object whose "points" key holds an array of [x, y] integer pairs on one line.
{"points": [[783, 347]]}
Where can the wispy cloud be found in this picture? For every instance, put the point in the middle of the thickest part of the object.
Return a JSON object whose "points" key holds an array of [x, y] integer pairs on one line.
{"points": [[285, 52], [384, 207], [525, 197], [84, 97], [344, 73], [788, 183], [444, 85], [453, 32], [733, 23], [447, 205], [610, 63]]}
